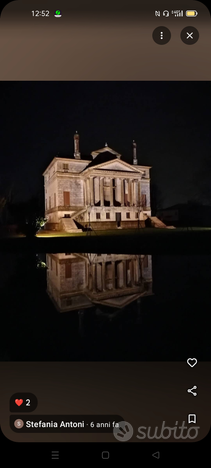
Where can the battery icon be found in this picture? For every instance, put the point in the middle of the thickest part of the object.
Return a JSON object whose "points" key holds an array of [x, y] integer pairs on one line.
{"points": [[191, 13]]}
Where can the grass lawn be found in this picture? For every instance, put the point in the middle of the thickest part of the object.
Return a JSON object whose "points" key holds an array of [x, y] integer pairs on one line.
{"points": [[123, 232], [131, 241]]}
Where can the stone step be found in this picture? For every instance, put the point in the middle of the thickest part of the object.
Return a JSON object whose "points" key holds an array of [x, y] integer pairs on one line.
{"points": [[69, 225], [157, 222]]}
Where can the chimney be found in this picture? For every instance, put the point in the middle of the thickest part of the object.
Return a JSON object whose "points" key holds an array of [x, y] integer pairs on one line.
{"points": [[77, 155], [135, 160]]}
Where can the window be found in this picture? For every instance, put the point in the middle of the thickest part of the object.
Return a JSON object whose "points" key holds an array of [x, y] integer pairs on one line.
{"points": [[65, 167], [128, 215], [66, 198], [136, 214], [56, 268], [144, 200], [46, 204], [54, 199], [68, 270], [49, 203], [107, 215], [145, 261], [51, 263], [97, 215]]}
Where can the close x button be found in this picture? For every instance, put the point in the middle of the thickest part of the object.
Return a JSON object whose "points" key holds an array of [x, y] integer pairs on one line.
{"points": [[189, 35]]}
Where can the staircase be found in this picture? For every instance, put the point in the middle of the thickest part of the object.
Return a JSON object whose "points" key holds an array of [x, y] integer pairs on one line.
{"points": [[68, 225], [77, 213], [157, 222]]}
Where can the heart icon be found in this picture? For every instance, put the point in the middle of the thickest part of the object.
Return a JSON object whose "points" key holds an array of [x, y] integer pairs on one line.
{"points": [[192, 362], [18, 402]]}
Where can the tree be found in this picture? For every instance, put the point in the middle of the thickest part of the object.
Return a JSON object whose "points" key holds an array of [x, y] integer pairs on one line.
{"points": [[3, 202], [156, 199], [33, 218], [200, 182], [7, 196], [28, 215]]}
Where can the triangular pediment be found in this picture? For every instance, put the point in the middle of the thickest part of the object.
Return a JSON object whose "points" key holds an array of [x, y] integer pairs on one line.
{"points": [[119, 302], [117, 165]]}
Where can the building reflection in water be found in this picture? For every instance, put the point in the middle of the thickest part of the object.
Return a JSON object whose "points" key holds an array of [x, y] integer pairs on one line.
{"points": [[109, 282]]}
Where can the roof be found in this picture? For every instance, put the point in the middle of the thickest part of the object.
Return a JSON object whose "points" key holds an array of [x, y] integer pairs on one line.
{"points": [[144, 166], [86, 157], [104, 149], [66, 159], [102, 158]]}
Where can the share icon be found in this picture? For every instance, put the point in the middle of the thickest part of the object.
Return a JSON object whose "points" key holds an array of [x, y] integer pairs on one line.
{"points": [[190, 390]]}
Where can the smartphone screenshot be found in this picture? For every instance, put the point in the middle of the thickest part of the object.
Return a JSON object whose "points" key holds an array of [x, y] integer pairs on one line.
{"points": [[105, 232]]}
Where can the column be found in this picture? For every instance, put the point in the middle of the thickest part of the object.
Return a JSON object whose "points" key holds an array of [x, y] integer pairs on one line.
{"points": [[113, 275], [92, 191], [90, 277], [87, 274], [124, 274], [136, 272], [134, 192], [103, 276], [132, 197], [126, 187], [96, 190], [139, 263], [130, 191], [128, 272], [85, 194], [122, 193], [94, 277], [132, 271], [101, 191], [136, 197], [139, 193], [99, 276], [88, 192], [111, 193]]}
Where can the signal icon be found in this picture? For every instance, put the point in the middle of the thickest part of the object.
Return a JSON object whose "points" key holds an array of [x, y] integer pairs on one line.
{"points": [[177, 13]]}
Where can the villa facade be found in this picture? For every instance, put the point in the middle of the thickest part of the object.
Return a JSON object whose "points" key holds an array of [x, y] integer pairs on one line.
{"points": [[79, 281], [100, 191]]}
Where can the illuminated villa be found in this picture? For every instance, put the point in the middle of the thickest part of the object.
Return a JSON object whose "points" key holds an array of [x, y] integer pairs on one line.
{"points": [[100, 191], [80, 281]]}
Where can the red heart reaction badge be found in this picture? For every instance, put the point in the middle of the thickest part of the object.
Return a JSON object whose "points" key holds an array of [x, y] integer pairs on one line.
{"points": [[18, 402]]}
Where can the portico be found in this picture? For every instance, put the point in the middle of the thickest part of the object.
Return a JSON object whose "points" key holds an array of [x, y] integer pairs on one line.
{"points": [[113, 191], [101, 189]]}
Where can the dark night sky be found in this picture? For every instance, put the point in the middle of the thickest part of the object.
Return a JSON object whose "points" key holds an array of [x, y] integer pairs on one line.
{"points": [[170, 122]]}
